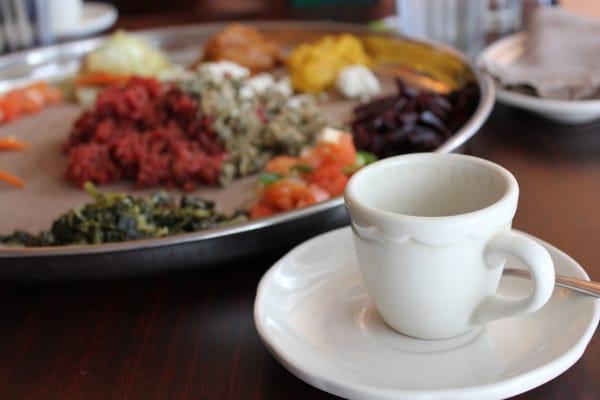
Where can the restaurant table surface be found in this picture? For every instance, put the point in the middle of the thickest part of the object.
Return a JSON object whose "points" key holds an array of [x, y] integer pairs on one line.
{"points": [[192, 335]]}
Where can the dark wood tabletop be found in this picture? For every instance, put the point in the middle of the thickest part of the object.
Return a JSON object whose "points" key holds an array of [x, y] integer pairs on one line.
{"points": [[192, 335]]}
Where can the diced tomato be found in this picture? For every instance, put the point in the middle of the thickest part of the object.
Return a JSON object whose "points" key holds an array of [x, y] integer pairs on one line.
{"points": [[283, 194], [260, 210], [289, 194], [326, 179], [342, 153], [315, 194], [331, 178], [281, 164]]}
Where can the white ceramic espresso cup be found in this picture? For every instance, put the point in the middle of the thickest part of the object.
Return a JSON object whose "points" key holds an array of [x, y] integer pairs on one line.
{"points": [[432, 232]]}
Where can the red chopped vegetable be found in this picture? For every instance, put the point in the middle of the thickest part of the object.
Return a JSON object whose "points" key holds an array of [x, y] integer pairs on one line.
{"points": [[147, 132], [329, 177]]}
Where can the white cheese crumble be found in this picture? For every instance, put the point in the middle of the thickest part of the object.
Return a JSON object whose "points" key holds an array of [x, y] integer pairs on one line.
{"points": [[261, 83], [284, 86], [222, 69], [329, 135], [296, 102], [357, 82]]}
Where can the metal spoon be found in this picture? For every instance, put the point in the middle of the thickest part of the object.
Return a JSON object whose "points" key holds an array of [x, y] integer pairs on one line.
{"points": [[590, 288]]}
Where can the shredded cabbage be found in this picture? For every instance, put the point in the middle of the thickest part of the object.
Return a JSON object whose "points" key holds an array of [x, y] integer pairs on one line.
{"points": [[125, 54]]}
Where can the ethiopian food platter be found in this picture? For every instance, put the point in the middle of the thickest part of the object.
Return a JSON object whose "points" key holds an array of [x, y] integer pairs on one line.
{"points": [[195, 145]]}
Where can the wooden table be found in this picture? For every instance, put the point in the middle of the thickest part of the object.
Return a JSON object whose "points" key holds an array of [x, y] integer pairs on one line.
{"points": [[193, 336]]}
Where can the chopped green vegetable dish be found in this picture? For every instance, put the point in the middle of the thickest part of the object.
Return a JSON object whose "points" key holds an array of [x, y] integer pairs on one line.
{"points": [[117, 217]]}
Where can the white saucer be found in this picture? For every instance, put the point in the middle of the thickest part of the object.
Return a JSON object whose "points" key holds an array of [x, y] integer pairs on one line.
{"points": [[314, 315], [506, 51], [96, 17]]}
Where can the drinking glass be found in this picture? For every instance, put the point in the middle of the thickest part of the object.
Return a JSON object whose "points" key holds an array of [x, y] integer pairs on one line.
{"points": [[458, 23]]}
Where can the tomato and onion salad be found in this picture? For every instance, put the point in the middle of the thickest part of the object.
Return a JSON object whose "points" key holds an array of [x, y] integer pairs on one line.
{"points": [[289, 183]]}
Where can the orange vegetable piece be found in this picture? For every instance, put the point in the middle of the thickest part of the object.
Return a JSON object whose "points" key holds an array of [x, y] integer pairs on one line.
{"points": [[33, 100], [49, 94], [10, 143], [281, 164], [342, 153], [53, 95], [260, 210], [11, 179], [100, 79], [327, 179], [331, 178], [283, 194], [288, 194], [316, 195], [9, 109], [29, 99]]}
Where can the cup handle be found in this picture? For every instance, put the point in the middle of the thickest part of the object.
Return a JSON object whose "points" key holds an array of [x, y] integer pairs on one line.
{"points": [[541, 269]]}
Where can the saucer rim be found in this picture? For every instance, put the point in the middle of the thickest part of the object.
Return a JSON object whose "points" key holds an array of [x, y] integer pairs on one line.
{"points": [[87, 27], [499, 389]]}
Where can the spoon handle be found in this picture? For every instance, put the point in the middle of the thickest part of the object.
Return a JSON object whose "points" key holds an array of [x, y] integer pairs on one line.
{"points": [[587, 287]]}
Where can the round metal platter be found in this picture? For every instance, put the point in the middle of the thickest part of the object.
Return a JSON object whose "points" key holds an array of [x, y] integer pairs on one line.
{"points": [[215, 246]]}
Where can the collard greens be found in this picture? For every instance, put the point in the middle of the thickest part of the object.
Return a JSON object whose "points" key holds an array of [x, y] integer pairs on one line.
{"points": [[117, 217]]}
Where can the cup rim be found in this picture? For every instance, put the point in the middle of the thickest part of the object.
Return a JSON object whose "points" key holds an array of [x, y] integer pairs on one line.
{"points": [[353, 200]]}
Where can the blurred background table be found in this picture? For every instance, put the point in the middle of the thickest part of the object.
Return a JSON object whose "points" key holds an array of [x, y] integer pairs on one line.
{"points": [[192, 335], [139, 13]]}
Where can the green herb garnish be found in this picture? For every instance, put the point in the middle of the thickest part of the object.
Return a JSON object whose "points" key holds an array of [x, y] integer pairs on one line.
{"points": [[267, 178], [362, 158], [303, 168]]}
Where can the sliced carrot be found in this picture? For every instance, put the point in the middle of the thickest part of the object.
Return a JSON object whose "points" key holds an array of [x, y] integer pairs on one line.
{"points": [[99, 79], [9, 109], [10, 143], [27, 100], [11, 179]]}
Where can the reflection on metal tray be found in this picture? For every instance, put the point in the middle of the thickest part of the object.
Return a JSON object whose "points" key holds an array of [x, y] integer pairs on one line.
{"points": [[441, 66]]}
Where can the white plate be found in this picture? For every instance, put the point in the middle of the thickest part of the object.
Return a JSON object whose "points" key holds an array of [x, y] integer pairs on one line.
{"points": [[506, 51], [95, 17], [314, 315]]}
